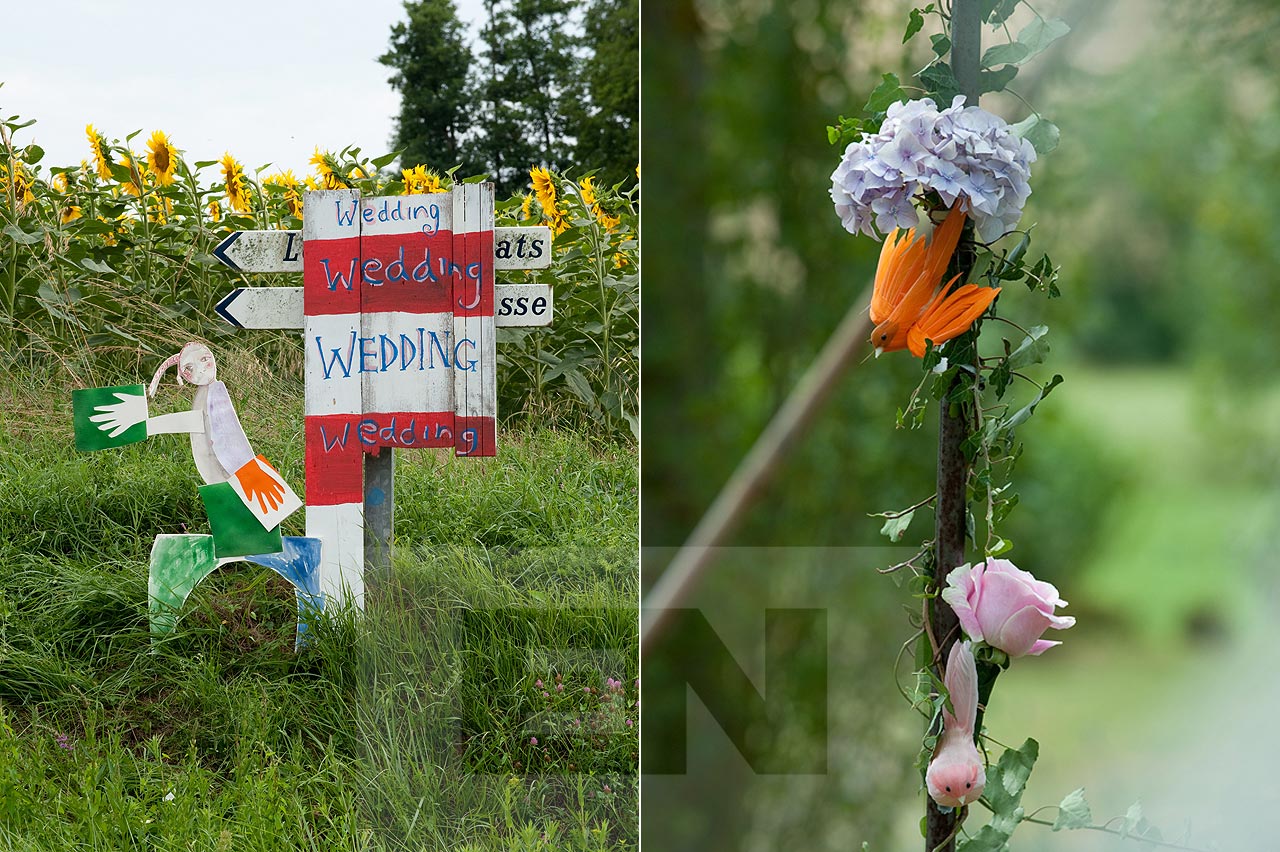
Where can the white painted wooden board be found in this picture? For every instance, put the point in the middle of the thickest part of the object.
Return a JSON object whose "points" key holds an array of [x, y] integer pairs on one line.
{"points": [[281, 251], [281, 307], [331, 305], [340, 529], [475, 368], [407, 362]]}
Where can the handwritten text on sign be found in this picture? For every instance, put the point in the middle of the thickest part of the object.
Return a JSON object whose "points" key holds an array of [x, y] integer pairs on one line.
{"points": [[281, 251]]}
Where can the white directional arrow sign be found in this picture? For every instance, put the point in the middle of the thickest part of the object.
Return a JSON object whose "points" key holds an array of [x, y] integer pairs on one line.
{"points": [[281, 251], [281, 307]]}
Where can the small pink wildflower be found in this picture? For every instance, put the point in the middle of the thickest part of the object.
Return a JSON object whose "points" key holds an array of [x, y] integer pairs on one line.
{"points": [[533, 740]]}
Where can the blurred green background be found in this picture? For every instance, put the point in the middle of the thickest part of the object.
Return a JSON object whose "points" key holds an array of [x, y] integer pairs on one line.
{"points": [[1148, 484]]}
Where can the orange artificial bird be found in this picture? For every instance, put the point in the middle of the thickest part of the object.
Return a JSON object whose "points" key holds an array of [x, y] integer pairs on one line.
{"points": [[907, 305]]}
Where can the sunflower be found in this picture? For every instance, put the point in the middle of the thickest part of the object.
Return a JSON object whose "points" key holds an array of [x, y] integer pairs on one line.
{"points": [[589, 194], [101, 151], [526, 207], [420, 179], [21, 183], [162, 158], [544, 188], [59, 183], [327, 167], [237, 185], [159, 209], [292, 198], [70, 213], [590, 199], [215, 210], [133, 186], [108, 238]]}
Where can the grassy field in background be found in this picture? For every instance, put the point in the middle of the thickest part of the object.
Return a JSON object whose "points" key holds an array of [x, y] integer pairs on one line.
{"points": [[1160, 693], [485, 701]]}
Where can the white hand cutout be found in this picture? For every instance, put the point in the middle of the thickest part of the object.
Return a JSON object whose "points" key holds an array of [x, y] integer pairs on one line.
{"points": [[116, 418]]}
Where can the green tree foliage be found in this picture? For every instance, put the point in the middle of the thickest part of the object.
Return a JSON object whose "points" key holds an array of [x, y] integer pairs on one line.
{"points": [[605, 116], [530, 67], [536, 90], [431, 60]]}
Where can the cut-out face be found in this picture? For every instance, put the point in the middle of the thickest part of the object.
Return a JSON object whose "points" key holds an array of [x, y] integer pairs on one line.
{"points": [[196, 364]]}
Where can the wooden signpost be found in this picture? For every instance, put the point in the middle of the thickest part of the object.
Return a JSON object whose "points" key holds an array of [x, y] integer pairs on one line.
{"points": [[399, 310]]}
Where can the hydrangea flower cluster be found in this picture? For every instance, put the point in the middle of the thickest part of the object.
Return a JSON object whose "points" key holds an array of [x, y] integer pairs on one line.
{"points": [[962, 153]]}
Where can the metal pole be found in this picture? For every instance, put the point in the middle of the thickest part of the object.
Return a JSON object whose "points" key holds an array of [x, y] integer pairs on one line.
{"points": [[753, 473], [379, 510], [953, 428]]}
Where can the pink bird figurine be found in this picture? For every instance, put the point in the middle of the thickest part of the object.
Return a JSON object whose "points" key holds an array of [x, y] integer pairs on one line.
{"points": [[957, 775]]}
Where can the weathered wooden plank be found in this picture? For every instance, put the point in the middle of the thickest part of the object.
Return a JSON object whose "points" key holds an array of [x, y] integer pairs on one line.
{"points": [[331, 308], [475, 336], [281, 307], [281, 251], [262, 307]]}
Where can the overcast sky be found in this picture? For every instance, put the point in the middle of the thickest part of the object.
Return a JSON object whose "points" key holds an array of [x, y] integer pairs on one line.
{"points": [[267, 80]]}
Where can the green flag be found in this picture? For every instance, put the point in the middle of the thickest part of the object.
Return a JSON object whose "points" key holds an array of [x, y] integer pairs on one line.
{"points": [[97, 402]]}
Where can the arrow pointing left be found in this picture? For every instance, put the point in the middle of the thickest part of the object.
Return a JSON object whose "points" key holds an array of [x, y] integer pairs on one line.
{"points": [[262, 307], [281, 307], [261, 251]]}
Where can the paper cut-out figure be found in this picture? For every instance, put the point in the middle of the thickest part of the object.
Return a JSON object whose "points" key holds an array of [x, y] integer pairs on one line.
{"points": [[245, 497]]}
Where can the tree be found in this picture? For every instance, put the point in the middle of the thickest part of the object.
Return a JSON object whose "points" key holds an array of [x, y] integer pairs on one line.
{"points": [[530, 69], [605, 118], [431, 59]]}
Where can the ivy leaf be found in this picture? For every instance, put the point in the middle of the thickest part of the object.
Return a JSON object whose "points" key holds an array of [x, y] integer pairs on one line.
{"points": [[894, 527], [995, 81], [915, 22], [1041, 33], [848, 130], [888, 92], [1073, 812], [996, 12], [1133, 819], [1012, 53], [1005, 784], [1041, 133], [1023, 414], [940, 81], [1002, 545], [1032, 350], [941, 44], [988, 839]]}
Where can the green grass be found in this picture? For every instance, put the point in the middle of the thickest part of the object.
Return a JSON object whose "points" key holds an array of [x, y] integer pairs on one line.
{"points": [[412, 727]]}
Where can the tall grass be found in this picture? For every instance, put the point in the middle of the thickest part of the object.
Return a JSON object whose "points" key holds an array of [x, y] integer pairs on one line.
{"points": [[422, 724]]}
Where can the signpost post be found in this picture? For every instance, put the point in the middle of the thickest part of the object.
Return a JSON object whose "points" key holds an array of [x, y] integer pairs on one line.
{"points": [[399, 310]]}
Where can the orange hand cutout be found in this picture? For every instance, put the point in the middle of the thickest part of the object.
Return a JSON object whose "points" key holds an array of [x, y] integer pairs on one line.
{"points": [[259, 485], [906, 304]]}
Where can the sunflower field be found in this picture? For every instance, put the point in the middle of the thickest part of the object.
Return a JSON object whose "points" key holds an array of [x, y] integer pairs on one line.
{"points": [[106, 265]]}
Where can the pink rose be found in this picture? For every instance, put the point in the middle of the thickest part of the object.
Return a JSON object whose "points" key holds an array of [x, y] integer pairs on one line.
{"points": [[1000, 604]]}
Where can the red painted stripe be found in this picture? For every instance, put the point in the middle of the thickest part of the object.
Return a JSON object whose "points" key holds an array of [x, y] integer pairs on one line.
{"points": [[404, 429], [477, 248], [407, 272], [331, 276], [477, 434], [335, 463]]}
